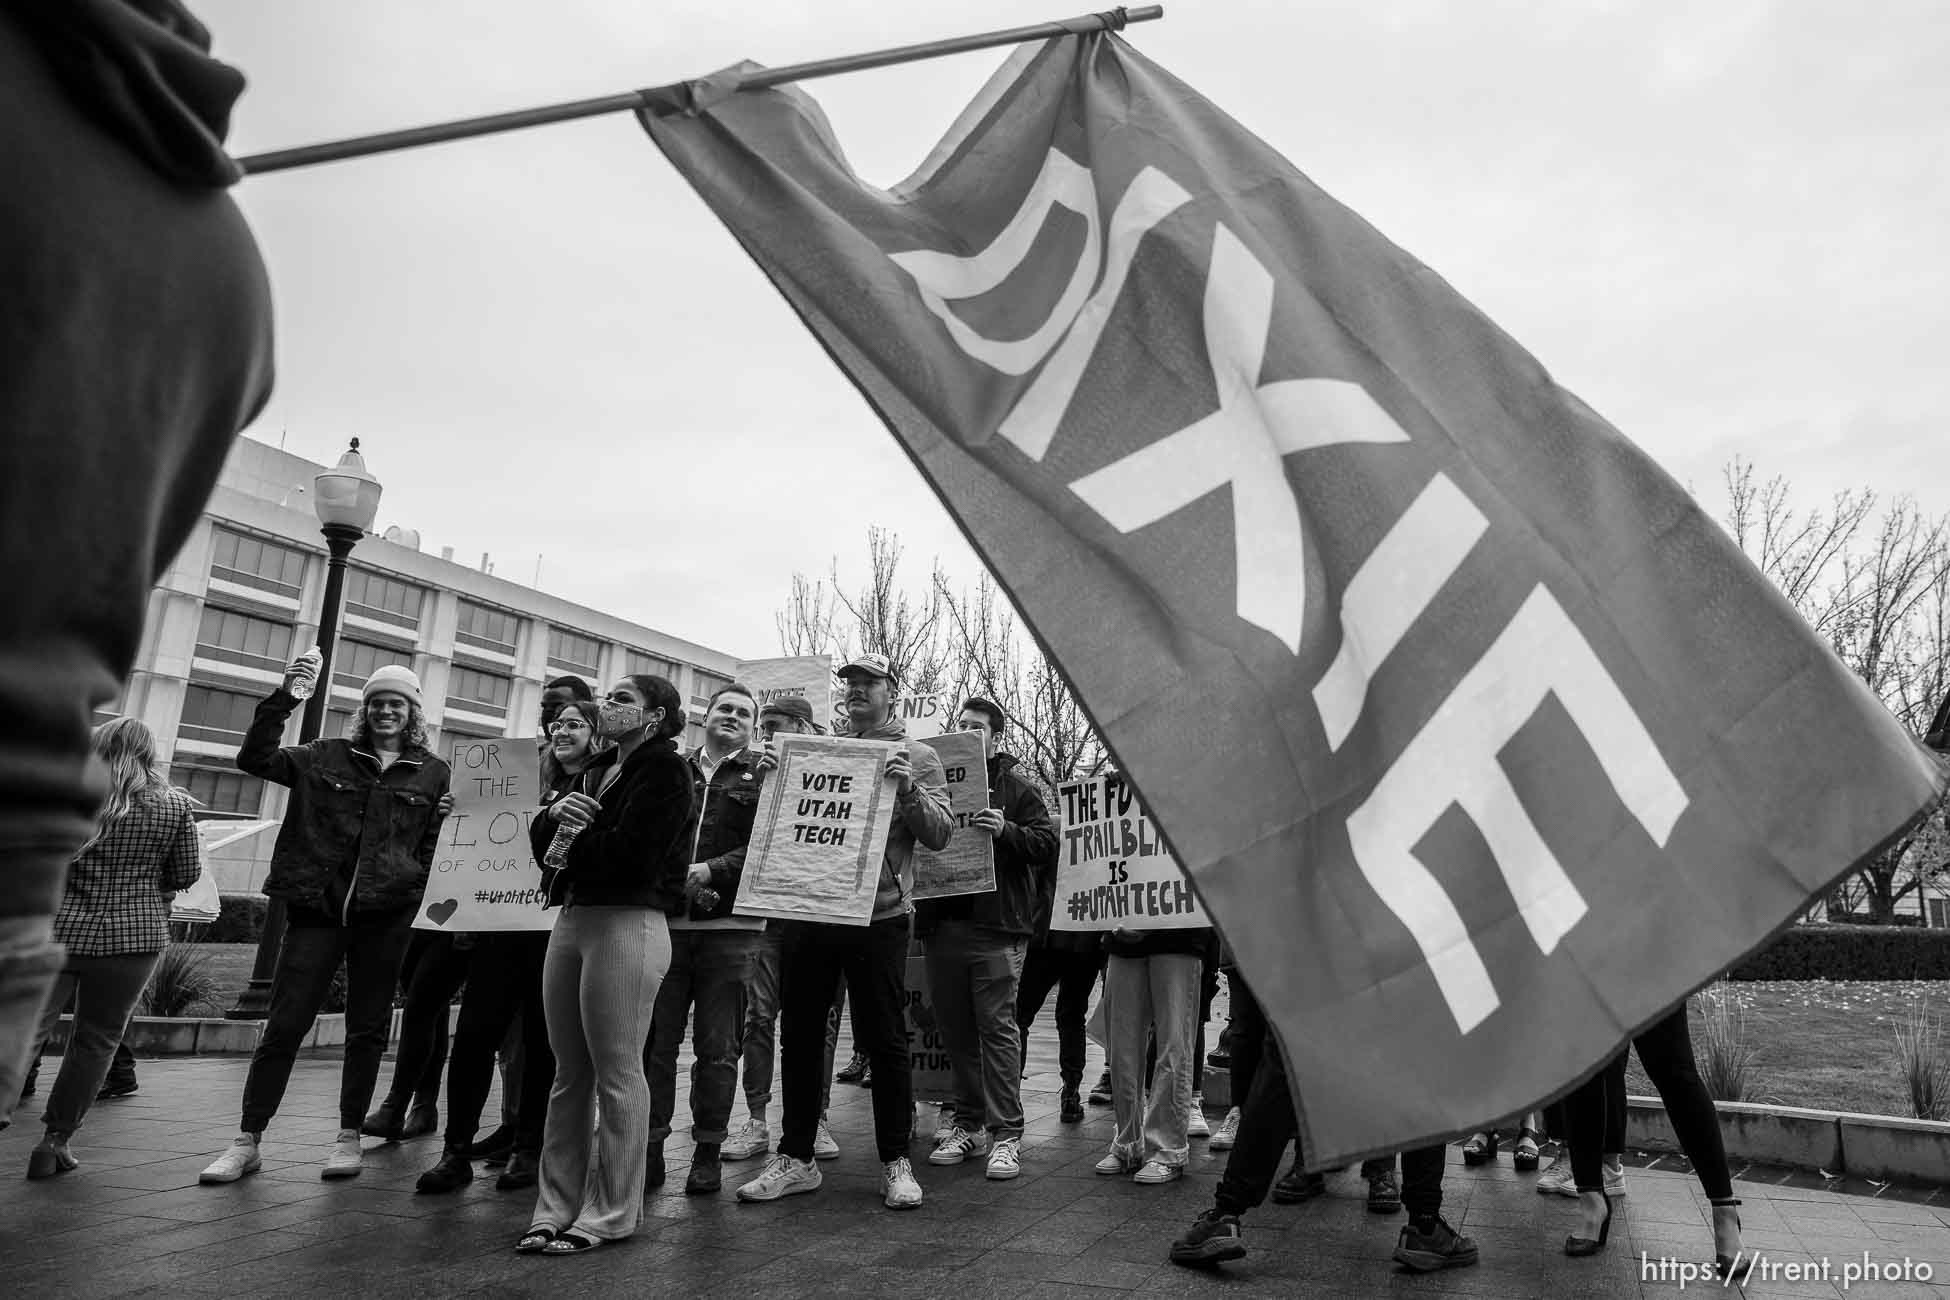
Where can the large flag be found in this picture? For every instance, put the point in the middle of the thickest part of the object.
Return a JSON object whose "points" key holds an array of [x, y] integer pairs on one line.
{"points": [[1478, 738]]}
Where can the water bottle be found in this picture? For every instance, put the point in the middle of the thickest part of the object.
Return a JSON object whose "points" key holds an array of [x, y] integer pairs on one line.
{"points": [[302, 688], [557, 856]]}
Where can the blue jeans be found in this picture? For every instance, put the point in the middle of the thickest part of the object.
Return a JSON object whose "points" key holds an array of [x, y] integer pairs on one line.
{"points": [[105, 991], [709, 970], [973, 975], [372, 947]]}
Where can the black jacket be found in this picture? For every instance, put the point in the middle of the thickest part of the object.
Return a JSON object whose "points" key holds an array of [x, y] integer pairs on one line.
{"points": [[722, 810], [632, 855], [1025, 863], [354, 838]]}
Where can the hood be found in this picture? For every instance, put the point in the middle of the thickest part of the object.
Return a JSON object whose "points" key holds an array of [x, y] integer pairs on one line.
{"points": [[895, 728]]}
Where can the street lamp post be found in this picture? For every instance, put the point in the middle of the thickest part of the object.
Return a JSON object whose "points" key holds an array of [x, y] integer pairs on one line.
{"points": [[346, 498]]}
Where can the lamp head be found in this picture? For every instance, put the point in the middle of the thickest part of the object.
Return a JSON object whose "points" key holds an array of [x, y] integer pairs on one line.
{"points": [[346, 495]]}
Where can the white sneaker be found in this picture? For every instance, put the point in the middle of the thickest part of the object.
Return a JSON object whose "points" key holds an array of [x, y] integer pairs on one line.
{"points": [[824, 1147], [1196, 1124], [944, 1122], [1615, 1181], [1557, 1180], [782, 1176], [346, 1159], [1157, 1171], [754, 1139], [1227, 1134], [1117, 1163], [899, 1190], [958, 1146], [238, 1159], [1005, 1161]]}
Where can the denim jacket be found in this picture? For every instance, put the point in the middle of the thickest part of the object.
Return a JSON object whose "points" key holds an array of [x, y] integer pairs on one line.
{"points": [[355, 838]]}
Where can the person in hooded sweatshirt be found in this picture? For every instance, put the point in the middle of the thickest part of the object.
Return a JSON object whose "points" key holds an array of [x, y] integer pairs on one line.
{"points": [[873, 958]]}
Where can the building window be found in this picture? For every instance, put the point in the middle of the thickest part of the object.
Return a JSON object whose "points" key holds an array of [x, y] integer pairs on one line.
{"points": [[1939, 912], [337, 724], [486, 627], [217, 716], [476, 691], [219, 790], [639, 663], [574, 651], [254, 562], [244, 639], [383, 599], [358, 660]]}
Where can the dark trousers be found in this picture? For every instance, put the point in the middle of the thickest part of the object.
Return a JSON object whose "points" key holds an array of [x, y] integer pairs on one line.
{"points": [[1248, 1026], [710, 970], [1072, 975], [434, 969], [1267, 1122], [1666, 1051], [372, 948], [504, 987], [873, 959], [974, 975]]}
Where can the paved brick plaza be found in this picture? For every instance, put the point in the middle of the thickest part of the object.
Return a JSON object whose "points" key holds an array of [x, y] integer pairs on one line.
{"points": [[133, 1221]]}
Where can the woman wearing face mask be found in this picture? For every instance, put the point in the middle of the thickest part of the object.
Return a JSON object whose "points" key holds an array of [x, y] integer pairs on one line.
{"points": [[504, 981], [606, 958]]}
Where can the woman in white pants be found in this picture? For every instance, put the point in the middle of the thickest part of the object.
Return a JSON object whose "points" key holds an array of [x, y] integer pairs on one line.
{"points": [[606, 959], [1151, 986]]}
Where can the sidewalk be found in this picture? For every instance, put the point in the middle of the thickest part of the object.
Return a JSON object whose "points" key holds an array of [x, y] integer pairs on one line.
{"points": [[133, 1221]]}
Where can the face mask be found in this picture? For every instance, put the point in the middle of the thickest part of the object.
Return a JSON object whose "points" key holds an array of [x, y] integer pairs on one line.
{"points": [[615, 719]]}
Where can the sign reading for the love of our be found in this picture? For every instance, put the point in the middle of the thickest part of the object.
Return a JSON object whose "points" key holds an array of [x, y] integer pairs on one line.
{"points": [[1112, 870], [821, 831], [484, 873], [967, 864]]}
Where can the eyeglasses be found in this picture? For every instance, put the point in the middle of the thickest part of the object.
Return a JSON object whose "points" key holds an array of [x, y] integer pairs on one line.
{"points": [[577, 725]]}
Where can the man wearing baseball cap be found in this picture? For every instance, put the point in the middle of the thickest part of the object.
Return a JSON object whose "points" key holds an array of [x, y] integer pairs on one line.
{"points": [[872, 958], [351, 862]]}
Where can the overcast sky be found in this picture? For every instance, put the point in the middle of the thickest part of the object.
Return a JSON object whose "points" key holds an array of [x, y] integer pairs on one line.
{"points": [[1723, 225]]}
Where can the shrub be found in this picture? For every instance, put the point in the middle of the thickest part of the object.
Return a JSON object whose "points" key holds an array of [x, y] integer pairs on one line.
{"points": [[1850, 952], [1726, 1066], [1923, 1057], [335, 993], [181, 985], [240, 919]]}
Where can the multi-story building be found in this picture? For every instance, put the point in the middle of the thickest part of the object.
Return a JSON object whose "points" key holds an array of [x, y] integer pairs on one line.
{"points": [[244, 597]]}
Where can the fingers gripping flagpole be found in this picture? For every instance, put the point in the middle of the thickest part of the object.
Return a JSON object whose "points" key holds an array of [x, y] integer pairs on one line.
{"points": [[629, 101]]}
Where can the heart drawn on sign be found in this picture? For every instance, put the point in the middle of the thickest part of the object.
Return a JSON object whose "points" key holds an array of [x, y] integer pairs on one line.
{"points": [[439, 912]]}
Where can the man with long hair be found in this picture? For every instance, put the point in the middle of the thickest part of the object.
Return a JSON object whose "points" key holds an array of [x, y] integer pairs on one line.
{"points": [[351, 861]]}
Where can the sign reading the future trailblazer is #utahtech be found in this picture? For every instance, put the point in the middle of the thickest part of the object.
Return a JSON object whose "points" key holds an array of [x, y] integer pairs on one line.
{"points": [[1112, 870], [821, 831]]}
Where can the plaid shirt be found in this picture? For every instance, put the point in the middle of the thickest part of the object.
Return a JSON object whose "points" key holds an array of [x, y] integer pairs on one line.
{"points": [[119, 888]]}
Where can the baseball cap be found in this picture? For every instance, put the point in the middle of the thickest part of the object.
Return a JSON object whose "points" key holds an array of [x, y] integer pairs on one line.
{"points": [[877, 665], [792, 706]]}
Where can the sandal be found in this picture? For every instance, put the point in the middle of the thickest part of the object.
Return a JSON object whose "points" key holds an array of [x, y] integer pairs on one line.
{"points": [[1524, 1155], [1480, 1149], [571, 1243], [535, 1240]]}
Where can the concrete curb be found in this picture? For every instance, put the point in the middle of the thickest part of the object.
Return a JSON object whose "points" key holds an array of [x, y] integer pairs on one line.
{"points": [[1881, 1147], [169, 1036]]}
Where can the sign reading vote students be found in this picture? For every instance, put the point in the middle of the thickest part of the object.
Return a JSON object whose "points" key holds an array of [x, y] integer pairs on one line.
{"points": [[484, 872], [967, 864], [806, 677], [1112, 870], [821, 831]]}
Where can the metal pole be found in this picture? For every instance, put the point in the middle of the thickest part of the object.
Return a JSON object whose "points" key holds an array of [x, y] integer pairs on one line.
{"points": [[254, 1003], [629, 101]]}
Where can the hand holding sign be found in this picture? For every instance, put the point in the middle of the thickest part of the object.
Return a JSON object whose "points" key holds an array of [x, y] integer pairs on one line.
{"points": [[901, 771], [990, 820]]}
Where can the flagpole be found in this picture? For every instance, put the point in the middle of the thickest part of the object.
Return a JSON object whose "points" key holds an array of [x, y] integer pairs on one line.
{"points": [[629, 101]]}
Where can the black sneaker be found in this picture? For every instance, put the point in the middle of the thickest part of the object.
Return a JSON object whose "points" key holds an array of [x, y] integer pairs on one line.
{"points": [[1296, 1186], [1384, 1193], [113, 1089], [1072, 1107], [1429, 1244], [1100, 1095], [450, 1175], [854, 1071], [1212, 1239], [495, 1147], [1219, 1059]]}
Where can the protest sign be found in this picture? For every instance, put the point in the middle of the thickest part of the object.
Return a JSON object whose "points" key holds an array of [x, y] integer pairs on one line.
{"points": [[924, 715], [485, 876], [1112, 870], [967, 865], [821, 831], [809, 677], [931, 1070]]}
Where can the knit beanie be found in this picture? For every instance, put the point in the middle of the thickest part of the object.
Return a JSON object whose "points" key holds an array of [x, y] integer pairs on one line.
{"points": [[393, 677]]}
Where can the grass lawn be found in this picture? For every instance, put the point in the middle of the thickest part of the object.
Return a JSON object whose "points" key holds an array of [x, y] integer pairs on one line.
{"points": [[1827, 1045]]}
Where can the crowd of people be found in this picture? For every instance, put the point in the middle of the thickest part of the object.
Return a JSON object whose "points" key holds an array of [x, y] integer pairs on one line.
{"points": [[642, 847]]}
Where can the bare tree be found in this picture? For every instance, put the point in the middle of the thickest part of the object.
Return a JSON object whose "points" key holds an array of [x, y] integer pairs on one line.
{"points": [[878, 618]]}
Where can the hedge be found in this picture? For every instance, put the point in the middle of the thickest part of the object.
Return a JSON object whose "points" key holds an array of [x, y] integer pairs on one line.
{"points": [[240, 919], [1851, 952]]}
